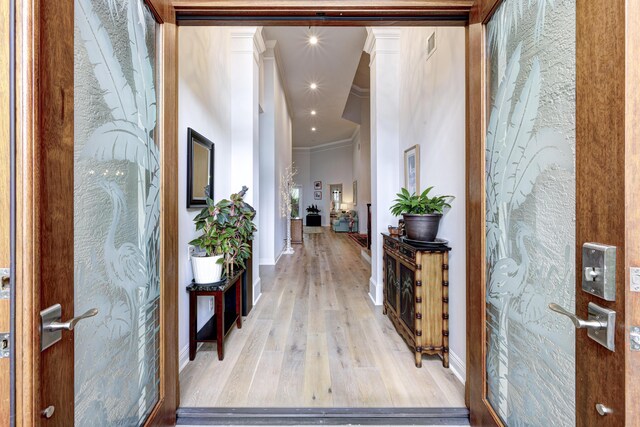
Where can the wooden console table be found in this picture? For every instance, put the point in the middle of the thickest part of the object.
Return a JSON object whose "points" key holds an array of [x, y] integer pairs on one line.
{"points": [[416, 295], [227, 311]]}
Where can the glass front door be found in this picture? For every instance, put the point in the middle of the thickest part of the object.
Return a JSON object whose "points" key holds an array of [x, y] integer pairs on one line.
{"points": [[530, 212], [116, 212]]}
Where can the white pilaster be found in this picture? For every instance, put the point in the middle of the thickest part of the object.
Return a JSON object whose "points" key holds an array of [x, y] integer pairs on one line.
{"points": [[247, 46], [268, 181], [383, 45]]}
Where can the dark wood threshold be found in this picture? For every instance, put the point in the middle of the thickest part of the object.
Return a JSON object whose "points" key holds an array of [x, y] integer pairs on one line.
{"points": [[323, 416]]}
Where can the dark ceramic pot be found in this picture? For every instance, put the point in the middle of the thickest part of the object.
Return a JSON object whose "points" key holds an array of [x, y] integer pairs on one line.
{"points": [[422, 227]]}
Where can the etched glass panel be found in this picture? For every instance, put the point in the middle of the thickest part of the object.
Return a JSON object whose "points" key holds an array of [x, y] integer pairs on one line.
{"points": [[530, 208], [116, 213]]}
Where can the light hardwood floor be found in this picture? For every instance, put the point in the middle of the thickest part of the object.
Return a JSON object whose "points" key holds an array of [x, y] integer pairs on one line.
{"points": [[316, 339]]}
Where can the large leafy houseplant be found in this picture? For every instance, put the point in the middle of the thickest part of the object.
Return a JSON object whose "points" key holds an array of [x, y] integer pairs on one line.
{"points": [[421, 213], [419, 204], [227, 226]]}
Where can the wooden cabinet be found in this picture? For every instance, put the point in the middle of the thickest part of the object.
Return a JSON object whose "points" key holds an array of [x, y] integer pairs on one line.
{"points": [[416, 295], [296, 230]]}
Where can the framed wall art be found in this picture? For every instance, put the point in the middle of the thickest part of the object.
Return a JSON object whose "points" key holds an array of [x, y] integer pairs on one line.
{"points": [[412, 169]]}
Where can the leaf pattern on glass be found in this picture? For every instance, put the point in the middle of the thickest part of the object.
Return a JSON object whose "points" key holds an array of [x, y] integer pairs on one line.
{"points": [[529, 166], [508, 17], [122, 277]]}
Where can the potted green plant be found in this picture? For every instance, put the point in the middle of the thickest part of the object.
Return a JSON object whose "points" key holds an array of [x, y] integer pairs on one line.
{"points": [[421, 213], [227, 227]]}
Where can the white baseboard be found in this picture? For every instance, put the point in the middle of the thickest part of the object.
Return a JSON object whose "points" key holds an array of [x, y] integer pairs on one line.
{"points": [[457, 366], [365, 256], [375, 292], [278, 257], [271, 261], [257, 290], [183, 356]]}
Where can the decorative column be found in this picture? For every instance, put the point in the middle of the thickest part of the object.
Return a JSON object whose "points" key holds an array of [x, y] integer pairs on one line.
{"points": [[246, 47], [383, 45]]}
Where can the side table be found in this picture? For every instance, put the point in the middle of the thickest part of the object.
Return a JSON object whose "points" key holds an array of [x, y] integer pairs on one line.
{"points": [[227, 311], [314, 220]]}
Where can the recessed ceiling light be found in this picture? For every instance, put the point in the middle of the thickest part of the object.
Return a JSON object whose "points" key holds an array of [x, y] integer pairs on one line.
{"points": [[313, 129], [313, 86], [313, 40], [313, 112]]}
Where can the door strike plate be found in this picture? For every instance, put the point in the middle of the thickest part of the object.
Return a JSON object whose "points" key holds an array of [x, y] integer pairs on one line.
{"points": [[5, 283], [5, 345], [634, 338]]}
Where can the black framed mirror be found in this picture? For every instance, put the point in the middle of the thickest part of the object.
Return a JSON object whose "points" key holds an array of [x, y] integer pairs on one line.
{"points": [[200, 168]]}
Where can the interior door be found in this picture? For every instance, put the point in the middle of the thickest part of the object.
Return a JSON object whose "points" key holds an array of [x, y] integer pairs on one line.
{"points": [[548, 152], [99, 256]]}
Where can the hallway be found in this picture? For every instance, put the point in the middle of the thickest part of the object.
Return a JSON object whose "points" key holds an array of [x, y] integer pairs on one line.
{"points": [[316, 339]]}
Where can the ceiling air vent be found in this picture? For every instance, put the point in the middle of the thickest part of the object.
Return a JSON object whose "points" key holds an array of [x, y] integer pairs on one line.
{"points": [[431, 44]]}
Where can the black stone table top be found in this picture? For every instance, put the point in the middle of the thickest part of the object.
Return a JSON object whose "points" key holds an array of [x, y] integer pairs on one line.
{"points": [[222, 285]]}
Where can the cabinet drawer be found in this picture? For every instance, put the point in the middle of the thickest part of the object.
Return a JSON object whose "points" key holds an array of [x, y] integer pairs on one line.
{"points": [[410, 253], [390, 244]]}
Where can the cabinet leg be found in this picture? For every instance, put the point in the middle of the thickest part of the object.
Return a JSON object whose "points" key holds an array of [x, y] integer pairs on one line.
{"points": [[193, 324], [219, 303], [384, 309], [445, 358], [418, 359], [239, 302]]}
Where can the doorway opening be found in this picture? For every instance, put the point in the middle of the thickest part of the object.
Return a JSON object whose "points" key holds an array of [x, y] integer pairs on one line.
{"points": [[342, 110]]}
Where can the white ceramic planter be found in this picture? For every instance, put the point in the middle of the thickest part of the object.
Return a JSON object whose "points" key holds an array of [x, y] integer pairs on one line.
{"points": [[206, 269]]}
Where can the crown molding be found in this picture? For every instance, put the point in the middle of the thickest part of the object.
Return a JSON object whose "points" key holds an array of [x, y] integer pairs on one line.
{"points": [[359, 92], [334, 145], [382, 40]]}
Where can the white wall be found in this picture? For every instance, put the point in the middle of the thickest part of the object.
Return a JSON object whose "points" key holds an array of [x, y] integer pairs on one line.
{"points": [[331, 165], [302, 162], [203, 104], [432, 114]]}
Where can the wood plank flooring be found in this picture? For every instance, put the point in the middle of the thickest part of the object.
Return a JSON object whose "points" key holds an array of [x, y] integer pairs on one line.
{"points": [[316, 339]]}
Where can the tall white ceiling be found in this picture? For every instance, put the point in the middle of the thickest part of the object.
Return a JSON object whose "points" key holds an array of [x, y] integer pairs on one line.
{"points": [[331, 64]]}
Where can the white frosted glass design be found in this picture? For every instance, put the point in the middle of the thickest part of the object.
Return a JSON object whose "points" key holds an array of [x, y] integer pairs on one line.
{"points": [[530, 208], [116, 213]]}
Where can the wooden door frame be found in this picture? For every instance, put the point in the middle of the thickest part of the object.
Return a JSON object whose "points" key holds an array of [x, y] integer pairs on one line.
{"points": [[44, 190], [607, 199], [618, 156]]}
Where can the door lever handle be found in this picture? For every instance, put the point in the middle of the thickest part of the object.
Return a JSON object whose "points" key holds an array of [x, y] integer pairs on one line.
{"points": [[70, 324], [578, 322]]}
